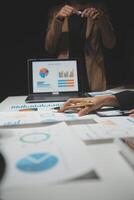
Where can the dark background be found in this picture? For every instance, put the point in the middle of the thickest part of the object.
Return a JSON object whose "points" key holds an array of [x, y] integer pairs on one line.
{"points": [[22, 32]]}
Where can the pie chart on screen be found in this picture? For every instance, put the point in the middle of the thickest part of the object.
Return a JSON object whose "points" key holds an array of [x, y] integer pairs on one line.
{"points": [[43, 72], [37, 162]]}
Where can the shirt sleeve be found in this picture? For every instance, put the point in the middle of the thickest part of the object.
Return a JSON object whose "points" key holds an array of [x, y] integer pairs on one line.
{"points": [[125, 99]]}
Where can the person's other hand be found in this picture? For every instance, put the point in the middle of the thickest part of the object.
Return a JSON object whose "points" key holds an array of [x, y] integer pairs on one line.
{"points": [[65, 11], [132, 113], [97, 102], [93, 13]]}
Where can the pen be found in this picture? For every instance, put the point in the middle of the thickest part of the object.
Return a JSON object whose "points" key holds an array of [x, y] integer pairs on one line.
{"points": [[73, 107], [69, 111], [56, 108], [80, 105], [77, 12]]}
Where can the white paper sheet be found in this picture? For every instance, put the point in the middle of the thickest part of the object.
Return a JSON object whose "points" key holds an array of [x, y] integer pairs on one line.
{"points": [[42, 156], [104, 128], [33, 106], [40, 117], [110, 91]]}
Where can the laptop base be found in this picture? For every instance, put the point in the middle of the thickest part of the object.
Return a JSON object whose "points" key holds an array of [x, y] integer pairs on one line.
{"points": [[38, 98]]}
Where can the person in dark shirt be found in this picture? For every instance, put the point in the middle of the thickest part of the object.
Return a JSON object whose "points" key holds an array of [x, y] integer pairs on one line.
{"points": [[82, 29], [123, 100]]}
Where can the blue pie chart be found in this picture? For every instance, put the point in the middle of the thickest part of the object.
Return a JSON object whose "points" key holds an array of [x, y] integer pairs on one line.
{"points": [[37, 162]]}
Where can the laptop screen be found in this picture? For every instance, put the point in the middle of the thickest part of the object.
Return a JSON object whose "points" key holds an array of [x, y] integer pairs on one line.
{"points": [[52, 76]]}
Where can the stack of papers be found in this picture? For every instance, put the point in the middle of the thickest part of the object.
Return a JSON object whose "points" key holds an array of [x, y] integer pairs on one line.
{"points": [[100, 129], [43, 156], [126, 146], [40, 117]]}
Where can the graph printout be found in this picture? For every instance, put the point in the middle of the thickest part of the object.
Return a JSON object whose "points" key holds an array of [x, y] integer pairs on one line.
{"points": [[42, 156]]}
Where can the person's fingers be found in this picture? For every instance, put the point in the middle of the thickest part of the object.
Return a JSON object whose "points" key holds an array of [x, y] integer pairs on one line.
{"points": [[131, 111], [87, 12], [63, 14], [84, 12], [66, 104], [92, 13], [84, 111], [131, 115], [70, 102], [65, 11], [95, 16], [68, 9]]}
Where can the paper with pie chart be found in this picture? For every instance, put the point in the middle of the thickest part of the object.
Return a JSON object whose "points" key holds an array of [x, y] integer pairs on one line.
{"points": [[44, 155]]}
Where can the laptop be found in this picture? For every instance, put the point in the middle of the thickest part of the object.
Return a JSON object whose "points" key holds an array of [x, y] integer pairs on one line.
{"points": [[52, 80]]}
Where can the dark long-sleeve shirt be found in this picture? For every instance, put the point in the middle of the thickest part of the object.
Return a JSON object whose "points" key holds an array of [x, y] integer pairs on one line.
{"points": [[125, 99]]}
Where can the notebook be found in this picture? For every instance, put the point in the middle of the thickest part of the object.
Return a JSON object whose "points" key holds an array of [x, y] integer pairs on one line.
{"points": [[52, 80]]}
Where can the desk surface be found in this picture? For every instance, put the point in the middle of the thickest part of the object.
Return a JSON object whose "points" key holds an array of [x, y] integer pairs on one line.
{"points": [[11, 101], [116, 177]]}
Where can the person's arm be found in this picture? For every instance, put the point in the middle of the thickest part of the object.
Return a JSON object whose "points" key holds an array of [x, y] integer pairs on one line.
{"points": [[107, 31], [97, 102], [131, 112], [100, 18], [55, 28], [125, 99], [53, 34]]}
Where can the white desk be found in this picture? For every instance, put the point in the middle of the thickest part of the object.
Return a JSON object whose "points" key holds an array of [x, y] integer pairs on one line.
{"points": [[116, 176], [4, 106]]}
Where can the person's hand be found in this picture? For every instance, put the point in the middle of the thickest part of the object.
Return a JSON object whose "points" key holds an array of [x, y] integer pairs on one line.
{"points": [[94, 104], [65, 11], [131, 113], [93, 13]]}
